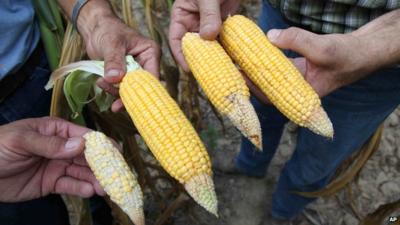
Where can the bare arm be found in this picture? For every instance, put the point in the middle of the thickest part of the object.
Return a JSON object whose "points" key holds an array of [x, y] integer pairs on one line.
{"points": [[381, 39]]}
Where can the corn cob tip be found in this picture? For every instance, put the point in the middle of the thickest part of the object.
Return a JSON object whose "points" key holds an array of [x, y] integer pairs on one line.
{"points": [[137, 216], [201, 188], [245, 118], [135, 211], [319, 123]]}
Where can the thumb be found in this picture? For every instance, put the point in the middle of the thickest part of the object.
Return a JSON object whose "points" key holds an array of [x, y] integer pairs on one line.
{"points": [[54, 147], [301, 41], [114, 63], [210, 19]]}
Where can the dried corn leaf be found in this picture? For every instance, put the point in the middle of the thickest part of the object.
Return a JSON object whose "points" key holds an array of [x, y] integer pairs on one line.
{"points": [[383, 215], [348, 175]]}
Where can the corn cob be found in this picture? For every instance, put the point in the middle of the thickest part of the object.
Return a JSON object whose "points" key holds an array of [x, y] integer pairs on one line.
{"points": [[114, 175], [222, 83], [169, 135], [274, 74]]}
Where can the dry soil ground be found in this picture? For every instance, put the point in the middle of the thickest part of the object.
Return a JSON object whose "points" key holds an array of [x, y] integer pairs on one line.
{"points": [[243, 200]]}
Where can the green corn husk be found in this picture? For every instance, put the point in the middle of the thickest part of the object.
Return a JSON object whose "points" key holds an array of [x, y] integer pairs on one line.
{"points": [[81, 81]]}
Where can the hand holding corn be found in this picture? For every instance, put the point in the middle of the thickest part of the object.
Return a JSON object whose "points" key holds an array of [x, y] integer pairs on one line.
{"points": [[43, 156], [201, 16], [183, 19], [269, 69], [163, 126], [107, 37], [115, 176]]}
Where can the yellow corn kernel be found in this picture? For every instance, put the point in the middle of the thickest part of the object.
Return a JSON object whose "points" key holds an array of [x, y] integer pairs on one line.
{"points": [[161, 123], [222, 83], [114, 175], [274, 74]]}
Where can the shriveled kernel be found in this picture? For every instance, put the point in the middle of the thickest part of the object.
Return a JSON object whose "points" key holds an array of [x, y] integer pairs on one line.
{"points": [[111, 170], [222, 83]]}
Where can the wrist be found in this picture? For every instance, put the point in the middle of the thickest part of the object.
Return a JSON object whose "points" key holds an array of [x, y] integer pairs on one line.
{"points": [[364, 55], [379, 43]]}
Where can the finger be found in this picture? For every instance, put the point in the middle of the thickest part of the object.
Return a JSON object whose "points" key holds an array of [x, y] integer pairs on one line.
{"points": [[53, 147], [148, 55], [182, 21], [117, 105], [72, 186], [54, 138], [107, 87], [52, 126], [114, 61], [80, 160], [176, 33], [210, 18], [80, 173], [310, 45], [85, 174]]}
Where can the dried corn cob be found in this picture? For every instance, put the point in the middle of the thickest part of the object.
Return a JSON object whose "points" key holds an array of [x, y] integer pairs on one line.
{"points": [[274, 74], [114, 175], [222, 83], [169, 135]]}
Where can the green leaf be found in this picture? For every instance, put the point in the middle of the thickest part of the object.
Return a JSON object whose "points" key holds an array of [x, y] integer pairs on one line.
{"points": [[77, 88], [103, 99]]}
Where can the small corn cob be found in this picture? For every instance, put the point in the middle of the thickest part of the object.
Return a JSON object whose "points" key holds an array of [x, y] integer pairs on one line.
{"points": [[114, 175], [169, 135], [274, 74], [222, 83]]}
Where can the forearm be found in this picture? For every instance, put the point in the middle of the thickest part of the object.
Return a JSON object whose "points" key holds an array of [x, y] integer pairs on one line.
{"points": [[381, 40], [90, 15]]}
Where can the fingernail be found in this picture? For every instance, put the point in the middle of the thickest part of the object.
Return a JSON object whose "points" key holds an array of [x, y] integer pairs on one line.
{"points": [[208, 31], [73, 143], [273, 34], [113, 73]]}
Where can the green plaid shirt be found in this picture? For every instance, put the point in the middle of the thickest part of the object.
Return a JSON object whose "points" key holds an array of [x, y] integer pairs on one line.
{"points": [[333, 16]]}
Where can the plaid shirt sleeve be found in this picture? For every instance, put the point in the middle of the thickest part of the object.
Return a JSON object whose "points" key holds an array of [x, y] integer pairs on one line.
{"points": [[333, 16]]}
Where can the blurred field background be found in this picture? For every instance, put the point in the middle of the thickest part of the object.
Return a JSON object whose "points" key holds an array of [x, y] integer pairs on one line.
{"points": [[242, 200]]}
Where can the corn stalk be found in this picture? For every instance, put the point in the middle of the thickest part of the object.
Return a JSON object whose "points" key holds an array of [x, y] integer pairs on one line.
{"points": [[61, 48], [51, 30], [71, 51]]}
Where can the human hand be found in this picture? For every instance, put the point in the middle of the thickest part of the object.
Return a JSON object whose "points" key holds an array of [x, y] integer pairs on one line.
{"points": [[42, 156], [197, 16], [330, 61], [111, 41], [107, 38]]}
